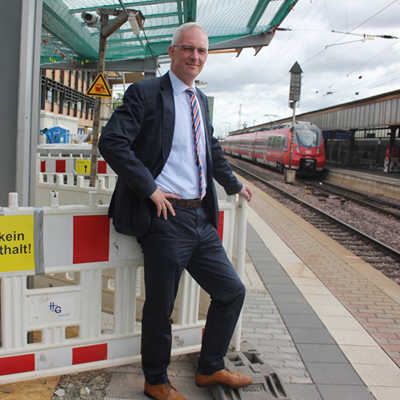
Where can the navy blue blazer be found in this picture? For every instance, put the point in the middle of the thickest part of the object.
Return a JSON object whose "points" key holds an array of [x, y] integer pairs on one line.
{"points": [[136, 143]]}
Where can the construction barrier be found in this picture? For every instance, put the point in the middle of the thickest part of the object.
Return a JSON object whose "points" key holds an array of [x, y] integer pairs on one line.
{"points": [[69, 175], [72, 290], [77, 164]]}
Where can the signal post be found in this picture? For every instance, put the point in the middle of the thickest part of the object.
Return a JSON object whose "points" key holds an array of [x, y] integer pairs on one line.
{"points": [[294, 97]]}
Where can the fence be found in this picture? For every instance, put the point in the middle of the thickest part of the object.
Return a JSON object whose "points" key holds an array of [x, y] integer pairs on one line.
{"points": [[78, 163], [69, 175], [71, 300]]}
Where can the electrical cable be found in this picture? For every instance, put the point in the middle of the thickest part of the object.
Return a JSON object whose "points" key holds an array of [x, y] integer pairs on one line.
{"points": [[351, 32], [373, 16], [145, 36], [356, 27], [151, 52]]}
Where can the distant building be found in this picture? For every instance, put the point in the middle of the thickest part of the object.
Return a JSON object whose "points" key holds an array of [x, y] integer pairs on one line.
{"points": [[64, 102]]}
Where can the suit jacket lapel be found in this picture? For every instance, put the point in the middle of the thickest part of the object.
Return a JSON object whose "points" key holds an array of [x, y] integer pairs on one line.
{"points": [[168, 115]]}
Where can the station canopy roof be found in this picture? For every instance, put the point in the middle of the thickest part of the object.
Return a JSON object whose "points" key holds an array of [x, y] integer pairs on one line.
{"points": [[230, 24]]}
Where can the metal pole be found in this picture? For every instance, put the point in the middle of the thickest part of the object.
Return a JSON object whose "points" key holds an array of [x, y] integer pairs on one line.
{"points": [[294, 113], [19, 110], [241, 237], [291, 135], [97, 108], [392, 139]]}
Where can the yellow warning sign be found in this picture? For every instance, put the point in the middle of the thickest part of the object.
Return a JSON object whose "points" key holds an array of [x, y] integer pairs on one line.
{"points": [[17, 243], [99, 87], [82, 167]]}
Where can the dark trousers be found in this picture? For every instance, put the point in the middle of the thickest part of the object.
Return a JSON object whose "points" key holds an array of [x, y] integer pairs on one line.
{"points": [[189, 241]]}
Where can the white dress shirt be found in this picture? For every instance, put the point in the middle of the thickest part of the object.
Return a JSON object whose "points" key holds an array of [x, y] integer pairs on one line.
{"points": [[180, 174]]}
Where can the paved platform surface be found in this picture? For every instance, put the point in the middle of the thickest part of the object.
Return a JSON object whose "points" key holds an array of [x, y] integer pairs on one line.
{"points": [[342, 314], [368, 182], [392, 178]]}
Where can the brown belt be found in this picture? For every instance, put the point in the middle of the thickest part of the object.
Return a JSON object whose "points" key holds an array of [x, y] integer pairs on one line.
{"points": [[185, 203]]}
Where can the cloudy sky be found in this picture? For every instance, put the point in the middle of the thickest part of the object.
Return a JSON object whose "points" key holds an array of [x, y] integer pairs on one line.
{"points": [[342, 72]]}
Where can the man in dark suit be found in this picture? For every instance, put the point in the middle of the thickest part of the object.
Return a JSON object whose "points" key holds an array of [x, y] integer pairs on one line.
{"points": [[161, 146]]}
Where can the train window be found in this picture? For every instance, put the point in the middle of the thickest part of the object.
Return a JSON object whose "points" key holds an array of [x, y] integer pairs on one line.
{"points": [[307, 136], [284, 144]]}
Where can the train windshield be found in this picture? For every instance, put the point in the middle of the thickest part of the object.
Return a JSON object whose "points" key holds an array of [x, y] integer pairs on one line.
{"points": [[307, 136]]}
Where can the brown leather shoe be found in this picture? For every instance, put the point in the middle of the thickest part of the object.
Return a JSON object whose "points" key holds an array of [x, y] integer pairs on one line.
{"points": [[165, 391], [232, 379]]}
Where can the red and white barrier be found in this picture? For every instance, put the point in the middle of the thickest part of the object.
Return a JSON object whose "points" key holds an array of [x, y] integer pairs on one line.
{"points": [[59, 264], [66, 175], [60, 164]]}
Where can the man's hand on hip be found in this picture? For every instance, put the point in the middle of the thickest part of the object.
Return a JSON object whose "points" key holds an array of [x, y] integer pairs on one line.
{"points": [[246, 193], [160, 199]]}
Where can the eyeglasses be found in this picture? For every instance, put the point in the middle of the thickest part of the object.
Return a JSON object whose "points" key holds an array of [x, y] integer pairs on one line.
{"points": [[190, 49]]}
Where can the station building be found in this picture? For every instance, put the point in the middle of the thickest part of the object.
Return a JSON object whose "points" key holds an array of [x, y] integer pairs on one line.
{"points": [[63, 101]]}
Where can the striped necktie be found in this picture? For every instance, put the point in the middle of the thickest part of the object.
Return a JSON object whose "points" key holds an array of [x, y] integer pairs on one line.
{"points": [[196, 134]]}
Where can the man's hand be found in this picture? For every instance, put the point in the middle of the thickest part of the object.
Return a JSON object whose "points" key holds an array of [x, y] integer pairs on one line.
{"points": [[246, 193], [160, 199]]}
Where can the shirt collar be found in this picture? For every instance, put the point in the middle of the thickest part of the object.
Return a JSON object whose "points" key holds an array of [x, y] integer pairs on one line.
{"points": [[177, 85]]}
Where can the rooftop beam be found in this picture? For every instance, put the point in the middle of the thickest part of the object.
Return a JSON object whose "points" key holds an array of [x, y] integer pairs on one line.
{"points": [[57, 20], [216, 43], [130, 4], [148, 28], [280, 15], [257, 14], [162, 15], [157, 47], [180, 12], [256, 41], [190, 10], [138, 65], [223, 38], [152, 16], [135, 39]]}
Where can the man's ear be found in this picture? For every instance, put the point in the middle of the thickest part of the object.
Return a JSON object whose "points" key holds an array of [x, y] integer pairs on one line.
{"points": [[171, 50]]}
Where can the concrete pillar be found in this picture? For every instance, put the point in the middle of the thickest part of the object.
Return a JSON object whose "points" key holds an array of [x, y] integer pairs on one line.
{"points": [[20, 23]]}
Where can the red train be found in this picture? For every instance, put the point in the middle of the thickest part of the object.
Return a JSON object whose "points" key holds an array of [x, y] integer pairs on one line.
{"points": [[271, 146]]}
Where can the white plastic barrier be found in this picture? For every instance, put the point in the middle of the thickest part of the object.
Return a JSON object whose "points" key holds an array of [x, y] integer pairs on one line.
{"points": [[61, 164], [73, 189], [104, 181], [57, 262], [69, 175]]}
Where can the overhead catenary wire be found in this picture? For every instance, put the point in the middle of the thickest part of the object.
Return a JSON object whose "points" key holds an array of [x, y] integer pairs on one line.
{"points": [[145, 36], [353, 85], [365, 36], [374, 15], [353, 29], [356, 86]]}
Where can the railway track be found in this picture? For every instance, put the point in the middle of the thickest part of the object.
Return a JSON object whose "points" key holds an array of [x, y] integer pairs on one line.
{"points": [[381, 256], [376, 204]]}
